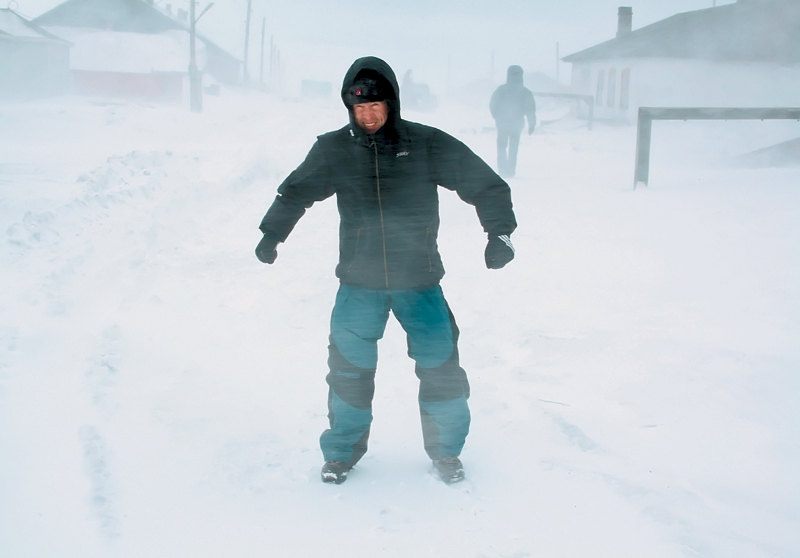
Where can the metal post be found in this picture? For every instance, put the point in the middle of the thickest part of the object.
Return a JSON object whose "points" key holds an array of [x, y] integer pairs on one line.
{"points": [[644, 130], [590, 103]]}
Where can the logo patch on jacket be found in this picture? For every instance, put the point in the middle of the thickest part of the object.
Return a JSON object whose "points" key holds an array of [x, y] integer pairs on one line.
{"points": [[402, 153]]}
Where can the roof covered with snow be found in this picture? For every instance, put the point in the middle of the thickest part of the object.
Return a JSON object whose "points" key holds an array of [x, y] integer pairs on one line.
{"points": [[132, 16], [748, 30], [119, 15], [14, 25], [145, 37]]}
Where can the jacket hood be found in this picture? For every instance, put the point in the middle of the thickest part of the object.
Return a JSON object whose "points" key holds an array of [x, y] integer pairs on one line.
{"points": [[374, 68], [514, 75]]}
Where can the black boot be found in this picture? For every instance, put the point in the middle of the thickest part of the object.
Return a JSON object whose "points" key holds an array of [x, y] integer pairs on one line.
{"points": [[450, 469], [335, 472]]}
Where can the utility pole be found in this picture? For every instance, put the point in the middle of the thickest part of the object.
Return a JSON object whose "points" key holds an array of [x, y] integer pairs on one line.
{"points": [[246, 73], [448, 75], [195, 78], [261, 67], [278, 69], [195, 87], [271, 61], [558, 67]]}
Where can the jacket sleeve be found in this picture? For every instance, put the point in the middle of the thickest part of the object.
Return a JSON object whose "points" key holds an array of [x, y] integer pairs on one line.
{"points": [[307, 184], [457, 168]]}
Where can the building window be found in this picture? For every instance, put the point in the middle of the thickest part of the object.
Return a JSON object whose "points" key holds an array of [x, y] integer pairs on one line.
{"points": [[624, 88], [601, 82], [612, 87]]}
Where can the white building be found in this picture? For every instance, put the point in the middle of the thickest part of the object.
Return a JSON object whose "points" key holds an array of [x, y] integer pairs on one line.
{"points": [[745, 54], [131, 48], [33, 62]]}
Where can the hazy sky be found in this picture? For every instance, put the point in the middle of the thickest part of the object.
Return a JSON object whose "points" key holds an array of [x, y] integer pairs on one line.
{"points": [[468, 38]]}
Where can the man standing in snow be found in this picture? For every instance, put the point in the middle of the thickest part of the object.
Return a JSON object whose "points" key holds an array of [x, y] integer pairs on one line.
{"points": [[511, 103], [385, 172]]}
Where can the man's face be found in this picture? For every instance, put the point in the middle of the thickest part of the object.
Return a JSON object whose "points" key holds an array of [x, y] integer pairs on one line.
{"points": [[371, 116]]}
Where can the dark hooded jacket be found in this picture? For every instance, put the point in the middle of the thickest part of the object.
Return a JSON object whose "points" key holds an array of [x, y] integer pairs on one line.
{"points": [[386, 191], [512, 102]]}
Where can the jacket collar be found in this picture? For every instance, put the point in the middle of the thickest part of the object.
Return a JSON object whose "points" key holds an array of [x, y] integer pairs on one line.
{"points": [[389, 133]]}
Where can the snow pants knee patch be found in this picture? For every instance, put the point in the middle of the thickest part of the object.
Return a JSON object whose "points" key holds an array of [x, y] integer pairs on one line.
{"points": [[442, 383], [349, 409], [443, 394], [346, 439], [354, 385]]}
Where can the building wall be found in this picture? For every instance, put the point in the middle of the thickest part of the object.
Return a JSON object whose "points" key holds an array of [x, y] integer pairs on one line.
{"points": [[125, 51], [622, 86], [164, 87], [33, 68]]}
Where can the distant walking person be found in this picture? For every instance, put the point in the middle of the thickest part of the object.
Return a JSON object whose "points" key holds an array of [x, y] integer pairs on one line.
{"points": [[511, 103]]}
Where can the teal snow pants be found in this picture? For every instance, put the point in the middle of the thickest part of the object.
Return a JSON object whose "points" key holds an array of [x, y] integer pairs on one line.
{"points": [[357, 323]]}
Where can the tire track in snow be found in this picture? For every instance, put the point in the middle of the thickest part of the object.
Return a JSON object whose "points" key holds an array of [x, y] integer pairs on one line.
{"points": [[98, 455]]}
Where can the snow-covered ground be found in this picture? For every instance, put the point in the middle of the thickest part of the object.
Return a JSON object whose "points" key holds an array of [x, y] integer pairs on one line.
{"points": [[634, 371]]}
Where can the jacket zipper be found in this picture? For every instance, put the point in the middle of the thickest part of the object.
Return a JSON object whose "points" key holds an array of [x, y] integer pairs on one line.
{"points": [[380, 211]]}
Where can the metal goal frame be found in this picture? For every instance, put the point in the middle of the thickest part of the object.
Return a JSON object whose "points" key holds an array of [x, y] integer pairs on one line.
{"points": [[644, 128]]}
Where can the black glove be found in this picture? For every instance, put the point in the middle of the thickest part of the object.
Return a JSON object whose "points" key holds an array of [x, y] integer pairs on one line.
{"points": [[499, 251], [265, 251]]}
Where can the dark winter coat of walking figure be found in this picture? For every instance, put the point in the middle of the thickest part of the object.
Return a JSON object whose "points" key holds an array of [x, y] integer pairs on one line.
{"points": [[510, 105], [385, 173]]}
